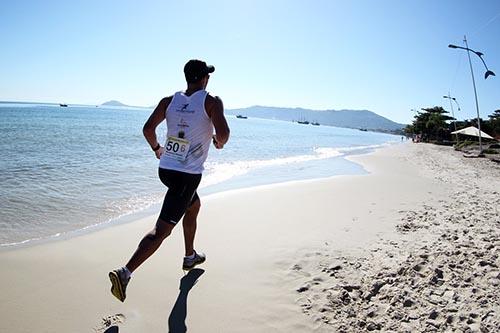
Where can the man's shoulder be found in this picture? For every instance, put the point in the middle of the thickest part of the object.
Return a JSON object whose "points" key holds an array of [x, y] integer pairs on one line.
{"points": [[213, 99], [213, 104], [163, 104], [166, 100]]}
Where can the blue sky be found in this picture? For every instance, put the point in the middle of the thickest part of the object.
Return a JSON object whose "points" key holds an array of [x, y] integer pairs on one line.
{"points": [[385, 56]]}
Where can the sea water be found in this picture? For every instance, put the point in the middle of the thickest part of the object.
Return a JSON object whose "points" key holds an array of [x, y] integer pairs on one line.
{"points": [[64, 169]]}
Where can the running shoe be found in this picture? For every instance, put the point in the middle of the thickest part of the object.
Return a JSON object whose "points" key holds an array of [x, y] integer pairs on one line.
{"points": [[119, 283], [189, 264]]}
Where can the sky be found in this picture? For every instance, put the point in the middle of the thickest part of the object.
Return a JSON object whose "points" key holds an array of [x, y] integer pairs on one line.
{"points": [[385, 56]]}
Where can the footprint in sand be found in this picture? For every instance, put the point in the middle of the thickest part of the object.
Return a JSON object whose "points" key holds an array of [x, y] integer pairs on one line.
{"points": [[108, 323]]}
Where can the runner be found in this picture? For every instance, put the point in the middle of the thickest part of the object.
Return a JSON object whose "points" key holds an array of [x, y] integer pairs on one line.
{"points": [[191, 118]]}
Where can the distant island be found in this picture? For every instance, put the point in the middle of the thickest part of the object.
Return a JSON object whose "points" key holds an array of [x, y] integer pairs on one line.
{"points": [[357, 119], [114, 103], [120, 104]]}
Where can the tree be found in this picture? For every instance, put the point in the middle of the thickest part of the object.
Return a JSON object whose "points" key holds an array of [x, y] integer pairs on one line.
{"points": [[431, 124], [494, 123]]}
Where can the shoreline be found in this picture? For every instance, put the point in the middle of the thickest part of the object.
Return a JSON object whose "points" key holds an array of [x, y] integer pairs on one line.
{"points": [[286, 258], [151, 211]]}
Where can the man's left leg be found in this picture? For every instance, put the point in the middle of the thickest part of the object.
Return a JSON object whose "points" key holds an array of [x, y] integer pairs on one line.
{"points": [[189, 226], [192, 258]]}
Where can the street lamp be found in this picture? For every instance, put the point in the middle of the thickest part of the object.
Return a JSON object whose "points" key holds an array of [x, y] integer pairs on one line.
{"points": [[488, 73], [452, 114], [458, 105]]}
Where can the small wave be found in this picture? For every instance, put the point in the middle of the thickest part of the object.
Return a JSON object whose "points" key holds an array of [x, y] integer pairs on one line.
{"points": [[361, 148], [219, 172], [133, 204], [31, 240]]}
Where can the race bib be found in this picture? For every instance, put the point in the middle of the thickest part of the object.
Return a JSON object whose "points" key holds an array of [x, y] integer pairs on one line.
{"points": [[176, 148]]}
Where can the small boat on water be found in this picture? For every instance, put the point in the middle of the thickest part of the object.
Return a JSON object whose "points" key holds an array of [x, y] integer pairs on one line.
{"points": [[302, 120], [363, 129], [315, 123], [63, 105], [241, 116]]}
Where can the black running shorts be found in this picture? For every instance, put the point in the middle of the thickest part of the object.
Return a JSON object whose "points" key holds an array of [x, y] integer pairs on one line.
{"points": [[180, 195]]}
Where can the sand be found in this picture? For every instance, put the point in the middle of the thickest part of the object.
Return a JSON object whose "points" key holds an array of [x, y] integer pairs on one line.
{"points": [[412, 246], [441, 271]]}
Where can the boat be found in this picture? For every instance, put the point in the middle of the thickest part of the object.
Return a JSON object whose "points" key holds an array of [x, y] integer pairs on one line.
{"points": [[241, 116], [303, 120], [363, 129], [63, 105], [315, 123]]}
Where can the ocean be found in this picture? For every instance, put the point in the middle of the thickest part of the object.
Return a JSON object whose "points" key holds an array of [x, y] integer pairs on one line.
{"points": [[68, 169]]}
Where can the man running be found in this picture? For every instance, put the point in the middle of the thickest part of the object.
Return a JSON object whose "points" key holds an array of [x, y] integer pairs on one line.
{"points": [[191, 118]]}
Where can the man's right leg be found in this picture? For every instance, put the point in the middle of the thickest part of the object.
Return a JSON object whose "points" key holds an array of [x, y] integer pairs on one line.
{"points": [[149, 244]]}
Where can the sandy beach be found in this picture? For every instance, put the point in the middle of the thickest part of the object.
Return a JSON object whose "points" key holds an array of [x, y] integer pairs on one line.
{"points": [[413, 246]]}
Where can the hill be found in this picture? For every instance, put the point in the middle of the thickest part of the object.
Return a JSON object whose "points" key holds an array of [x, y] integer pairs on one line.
{"points": [[113, 103], [362, 119]]}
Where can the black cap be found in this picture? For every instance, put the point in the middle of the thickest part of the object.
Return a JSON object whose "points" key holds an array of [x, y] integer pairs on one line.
{"points": [[195, 70]]}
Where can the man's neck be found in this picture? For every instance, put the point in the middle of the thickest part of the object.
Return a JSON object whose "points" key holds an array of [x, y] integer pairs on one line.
{"points": [[191, 89]]}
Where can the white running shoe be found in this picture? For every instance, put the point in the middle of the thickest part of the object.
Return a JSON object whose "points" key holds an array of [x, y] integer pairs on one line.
{"points": [[189, 264]]}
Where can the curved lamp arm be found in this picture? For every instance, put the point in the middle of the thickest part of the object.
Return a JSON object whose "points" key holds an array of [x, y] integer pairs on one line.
{"points": [[479, 54]]}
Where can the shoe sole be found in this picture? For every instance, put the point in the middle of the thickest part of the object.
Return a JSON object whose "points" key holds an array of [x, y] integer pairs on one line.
{"points": [[187, 269], [116, 286]]}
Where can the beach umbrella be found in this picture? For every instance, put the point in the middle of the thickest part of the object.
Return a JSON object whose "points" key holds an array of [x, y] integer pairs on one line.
{"points": [[472, 131]]}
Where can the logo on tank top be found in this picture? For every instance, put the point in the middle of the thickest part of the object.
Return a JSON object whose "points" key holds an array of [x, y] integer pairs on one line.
{"points": [[182, 124], [184, 109]]}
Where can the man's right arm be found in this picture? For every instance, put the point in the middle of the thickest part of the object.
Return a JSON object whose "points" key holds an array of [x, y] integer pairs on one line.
{"points": [[149, 129]]}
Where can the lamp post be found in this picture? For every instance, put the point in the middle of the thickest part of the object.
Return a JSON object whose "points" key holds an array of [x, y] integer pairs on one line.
{"points": [[452, 114], [458, 105], [488, 73]]}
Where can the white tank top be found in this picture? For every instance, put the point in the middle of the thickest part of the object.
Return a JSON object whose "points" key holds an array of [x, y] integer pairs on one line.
{"points": [[188, 126]]}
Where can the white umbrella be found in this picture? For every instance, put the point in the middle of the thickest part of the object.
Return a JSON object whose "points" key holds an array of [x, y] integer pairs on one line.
{"points": [[472, 131]]}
